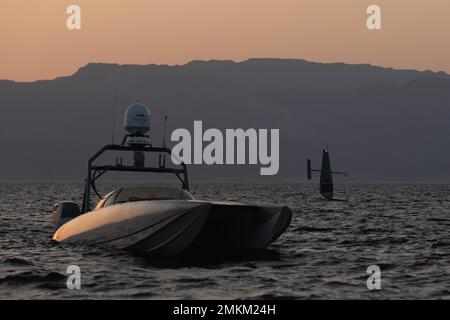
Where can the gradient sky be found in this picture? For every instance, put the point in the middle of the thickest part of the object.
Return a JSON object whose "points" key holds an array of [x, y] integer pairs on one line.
{"points": [[35, 43]]}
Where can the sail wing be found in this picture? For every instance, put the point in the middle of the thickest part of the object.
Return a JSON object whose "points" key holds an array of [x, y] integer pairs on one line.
{"points": [[326, 177]]}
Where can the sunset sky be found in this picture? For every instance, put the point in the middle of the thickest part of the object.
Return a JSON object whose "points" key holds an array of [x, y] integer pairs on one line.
{"points": [[35, 43]]}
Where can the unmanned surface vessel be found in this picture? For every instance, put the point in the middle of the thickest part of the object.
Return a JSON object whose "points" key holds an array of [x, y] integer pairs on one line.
{"points": [[161, 220], [326, 177]]}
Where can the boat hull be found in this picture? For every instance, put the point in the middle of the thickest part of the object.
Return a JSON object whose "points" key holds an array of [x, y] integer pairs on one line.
{"points": [[170, 227]]}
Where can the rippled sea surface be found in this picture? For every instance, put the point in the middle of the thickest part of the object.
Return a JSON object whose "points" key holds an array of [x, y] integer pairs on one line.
{"points": [[402, 228]]}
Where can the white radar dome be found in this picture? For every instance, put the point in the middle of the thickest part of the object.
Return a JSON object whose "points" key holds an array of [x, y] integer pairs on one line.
{"points": [[137, 119]]}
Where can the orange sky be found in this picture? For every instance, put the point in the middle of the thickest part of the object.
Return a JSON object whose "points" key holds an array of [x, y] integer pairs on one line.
{"points": [[35, 43]]}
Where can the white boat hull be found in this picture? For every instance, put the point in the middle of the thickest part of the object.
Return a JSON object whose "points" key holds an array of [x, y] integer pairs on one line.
{"points": [[170, 227]]}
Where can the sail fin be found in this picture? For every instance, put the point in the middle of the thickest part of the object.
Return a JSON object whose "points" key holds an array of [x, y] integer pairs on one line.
{"points": [[326, 175], [308, 169]]}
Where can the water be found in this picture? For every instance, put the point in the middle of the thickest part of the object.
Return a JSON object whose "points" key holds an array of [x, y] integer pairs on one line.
{"points": [[402, 228]]}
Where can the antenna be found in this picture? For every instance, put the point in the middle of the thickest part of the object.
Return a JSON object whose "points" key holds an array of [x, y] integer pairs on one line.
{"points": [[114, 117], [165, 126], [162, 158]]}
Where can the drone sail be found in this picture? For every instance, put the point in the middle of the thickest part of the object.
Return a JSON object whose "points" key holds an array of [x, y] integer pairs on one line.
{"points": [[326, 175]]}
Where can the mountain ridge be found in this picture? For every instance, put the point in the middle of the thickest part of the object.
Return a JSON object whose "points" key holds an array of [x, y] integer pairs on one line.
{"points": [[380, 123], [90, 65]]}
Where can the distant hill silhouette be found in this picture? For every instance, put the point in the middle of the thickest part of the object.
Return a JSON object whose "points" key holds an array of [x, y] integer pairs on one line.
{"points": [[379, 123]]}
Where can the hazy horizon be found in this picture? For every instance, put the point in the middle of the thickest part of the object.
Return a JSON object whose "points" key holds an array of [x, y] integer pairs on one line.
{"points": [[380, 124], [37, 44]]}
